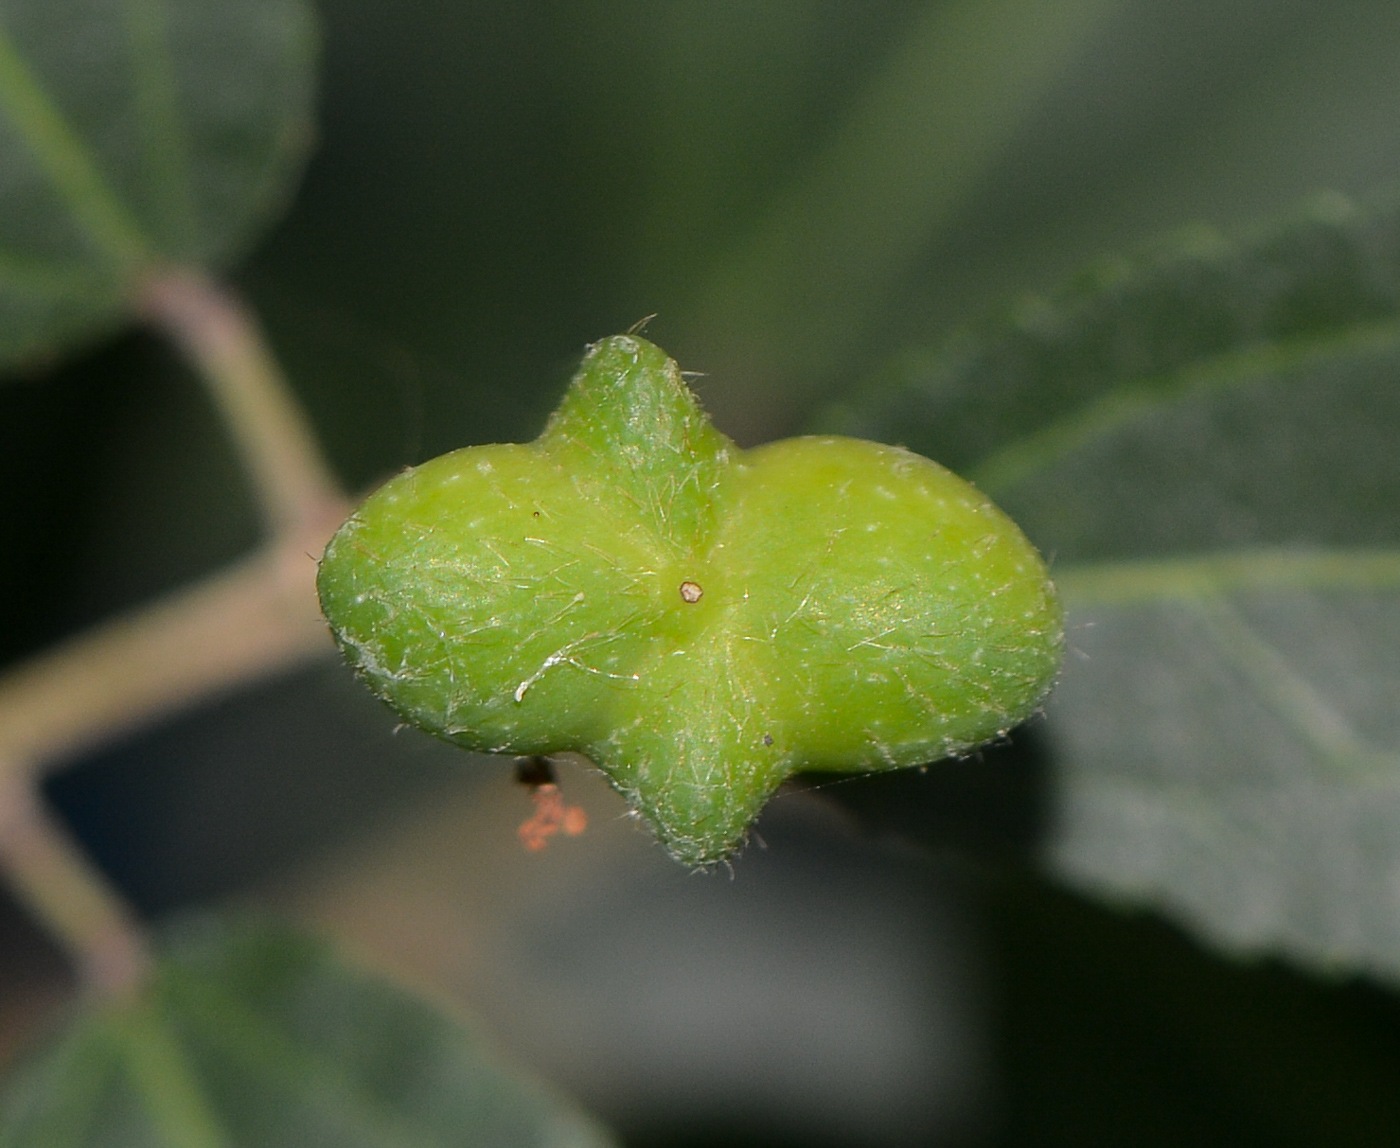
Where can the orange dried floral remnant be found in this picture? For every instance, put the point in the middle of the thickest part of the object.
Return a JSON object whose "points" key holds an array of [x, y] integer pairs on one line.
{"points": [[551, 816]]}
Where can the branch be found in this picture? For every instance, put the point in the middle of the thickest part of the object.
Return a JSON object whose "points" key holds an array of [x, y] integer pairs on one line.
{"points": [[256, 618], [278, 447], [48, 870]]}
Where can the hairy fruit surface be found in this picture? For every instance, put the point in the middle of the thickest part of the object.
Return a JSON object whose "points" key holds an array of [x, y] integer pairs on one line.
{"points": [[700, 621]]}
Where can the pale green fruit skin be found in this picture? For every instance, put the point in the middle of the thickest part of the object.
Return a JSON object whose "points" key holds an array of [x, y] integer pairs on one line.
{"points": [[861, 607]]}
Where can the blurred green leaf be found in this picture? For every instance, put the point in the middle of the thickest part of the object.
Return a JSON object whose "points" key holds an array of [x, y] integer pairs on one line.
{"points": [[1204, 441], [134, 134], [251, 1035], [799, 286]]}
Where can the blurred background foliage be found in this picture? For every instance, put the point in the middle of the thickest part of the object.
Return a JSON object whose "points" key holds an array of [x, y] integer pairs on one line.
{"points": [[809, 194]]}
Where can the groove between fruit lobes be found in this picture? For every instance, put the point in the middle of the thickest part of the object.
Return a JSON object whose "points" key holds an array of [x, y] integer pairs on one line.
{"points": [[700, 621]]}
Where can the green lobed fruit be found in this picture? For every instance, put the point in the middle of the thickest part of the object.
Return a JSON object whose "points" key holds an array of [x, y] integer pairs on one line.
{"points": [[700, 621]]}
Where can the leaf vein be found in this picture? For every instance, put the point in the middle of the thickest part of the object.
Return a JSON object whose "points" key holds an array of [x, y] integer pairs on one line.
{"points": [[67, 161], [1201, 576], [1035, 452], [164, 139]]}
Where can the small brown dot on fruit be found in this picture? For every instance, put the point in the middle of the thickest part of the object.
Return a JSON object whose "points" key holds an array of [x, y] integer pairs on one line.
{"points": [[767, 739], [691, 592]]}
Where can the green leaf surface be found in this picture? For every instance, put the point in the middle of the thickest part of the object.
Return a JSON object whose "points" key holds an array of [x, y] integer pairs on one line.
{"points": [[1204, 440], [137, 133], [838, 239], [250, 1036]]}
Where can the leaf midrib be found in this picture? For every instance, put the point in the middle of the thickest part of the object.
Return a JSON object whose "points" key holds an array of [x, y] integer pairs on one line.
{"points": [[275, 1056], [68, 163], [1203, 585], [163, 139], [1031, 454], [1205, 575]]}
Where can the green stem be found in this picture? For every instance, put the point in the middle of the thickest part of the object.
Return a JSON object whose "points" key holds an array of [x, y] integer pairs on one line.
{"points": [[237, 626], [294, 484], [48, 870]]}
